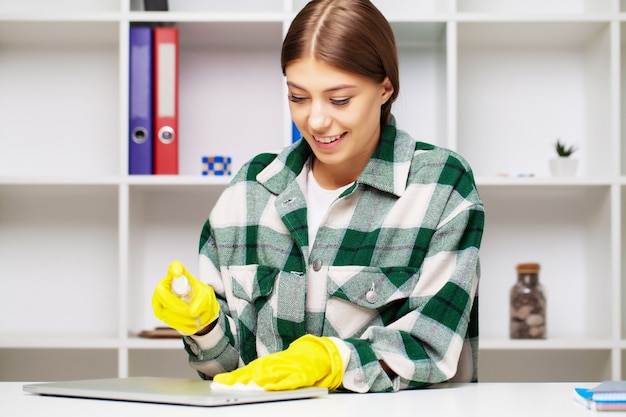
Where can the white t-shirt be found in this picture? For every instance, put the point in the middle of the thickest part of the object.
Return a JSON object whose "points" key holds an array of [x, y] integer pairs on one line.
{"points": [[318, 202]]}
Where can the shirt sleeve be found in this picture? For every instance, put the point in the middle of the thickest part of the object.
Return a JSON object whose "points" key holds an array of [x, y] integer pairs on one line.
{"points": [[214, 352]]}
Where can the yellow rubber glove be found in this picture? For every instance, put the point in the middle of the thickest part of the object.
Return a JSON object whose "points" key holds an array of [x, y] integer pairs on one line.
{"points": [[188, 317], [308, 361]]}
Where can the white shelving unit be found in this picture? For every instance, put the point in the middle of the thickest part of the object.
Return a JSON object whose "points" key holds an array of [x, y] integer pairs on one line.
{"points": [[82, 243]]}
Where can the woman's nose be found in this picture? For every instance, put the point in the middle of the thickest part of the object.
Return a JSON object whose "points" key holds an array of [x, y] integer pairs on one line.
{"points": [[318, 118]]}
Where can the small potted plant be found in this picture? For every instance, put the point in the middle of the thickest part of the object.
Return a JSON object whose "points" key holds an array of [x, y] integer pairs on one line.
{"points": [[563, 165]]}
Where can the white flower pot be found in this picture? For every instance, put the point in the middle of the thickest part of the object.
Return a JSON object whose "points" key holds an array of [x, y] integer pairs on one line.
{"points": [[563, 167]]}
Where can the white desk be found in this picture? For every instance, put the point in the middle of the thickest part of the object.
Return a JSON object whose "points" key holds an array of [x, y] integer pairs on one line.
{"points": [[466, 400]]}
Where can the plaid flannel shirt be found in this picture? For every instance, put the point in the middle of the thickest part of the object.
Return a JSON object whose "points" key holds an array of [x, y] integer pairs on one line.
{"points": [[397, 253]]}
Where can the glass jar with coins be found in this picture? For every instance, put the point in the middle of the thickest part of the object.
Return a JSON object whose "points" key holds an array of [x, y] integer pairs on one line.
{"points": [[528, 304]]}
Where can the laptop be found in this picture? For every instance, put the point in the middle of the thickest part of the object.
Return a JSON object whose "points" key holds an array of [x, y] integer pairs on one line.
{"points": [[196, 392]]}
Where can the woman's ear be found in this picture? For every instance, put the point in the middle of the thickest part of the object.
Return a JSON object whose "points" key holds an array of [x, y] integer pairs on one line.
{"points": [[387, 90]]}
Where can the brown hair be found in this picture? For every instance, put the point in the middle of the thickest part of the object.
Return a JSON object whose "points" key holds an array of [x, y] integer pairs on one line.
{"points": [[351, 35]]}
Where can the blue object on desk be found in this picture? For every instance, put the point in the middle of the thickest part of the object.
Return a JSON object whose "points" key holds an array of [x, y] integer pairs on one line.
{"points": [[608, 396]]}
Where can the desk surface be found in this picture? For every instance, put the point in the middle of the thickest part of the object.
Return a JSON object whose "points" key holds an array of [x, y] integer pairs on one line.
{"points": [[466, 400]]}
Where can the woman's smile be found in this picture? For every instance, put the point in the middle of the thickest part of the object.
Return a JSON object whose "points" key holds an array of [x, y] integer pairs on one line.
{"points": [[328, 139]]}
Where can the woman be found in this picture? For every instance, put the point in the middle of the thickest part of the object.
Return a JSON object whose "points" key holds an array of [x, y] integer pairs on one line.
{"points": [[349, 259]]}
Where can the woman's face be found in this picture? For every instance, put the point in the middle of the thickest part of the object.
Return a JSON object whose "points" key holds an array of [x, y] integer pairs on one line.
{"points": [[338, 114]]}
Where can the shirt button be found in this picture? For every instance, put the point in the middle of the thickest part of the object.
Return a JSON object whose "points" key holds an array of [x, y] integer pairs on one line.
{"points": [[359, 379], [371, 296], [317, 265]]}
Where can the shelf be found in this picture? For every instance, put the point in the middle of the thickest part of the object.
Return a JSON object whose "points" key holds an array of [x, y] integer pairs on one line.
{"points": [[50, 364], [145, 344], [178, 17], [166, 181], [420, 108], [491, 344], [165, 225], [621, 255], [150, 181], [567, 230], [401, 9], [51, 36], [621, 95], [171, 363], [410, 9], [523, 181], [217, 6], [80, 71], [535, 7], [545, 366], [233, 126], [138, 343], [545, 81], [498, 81], [59, 251], [29, 180], [29, 7], [56, 341], [232, 36], [574, 34]]}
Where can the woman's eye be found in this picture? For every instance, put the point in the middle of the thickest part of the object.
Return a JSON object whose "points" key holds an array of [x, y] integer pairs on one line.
{"points": [[340, 102], [296, 99]]}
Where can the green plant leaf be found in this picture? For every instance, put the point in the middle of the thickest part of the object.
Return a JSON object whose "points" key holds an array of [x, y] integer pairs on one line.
{"points": [[563, 150]]}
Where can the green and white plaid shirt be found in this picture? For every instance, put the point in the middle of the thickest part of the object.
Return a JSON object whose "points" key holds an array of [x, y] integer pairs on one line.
{"points": [[392, 274]]}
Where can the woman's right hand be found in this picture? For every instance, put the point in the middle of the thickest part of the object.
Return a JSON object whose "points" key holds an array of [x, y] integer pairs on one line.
{"points": [[186, 317]]}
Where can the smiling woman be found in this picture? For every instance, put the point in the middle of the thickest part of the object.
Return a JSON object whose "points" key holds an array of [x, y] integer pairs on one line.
{"points": [[348, 260], [338, 114]]}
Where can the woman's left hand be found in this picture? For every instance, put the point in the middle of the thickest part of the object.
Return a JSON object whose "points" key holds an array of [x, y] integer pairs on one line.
{"points": [[308, 361]]}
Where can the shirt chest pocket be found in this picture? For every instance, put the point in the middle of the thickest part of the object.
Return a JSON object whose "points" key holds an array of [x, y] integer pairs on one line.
{"points": [[252, 282], [363, 297], [264, 296], [370, 287]]}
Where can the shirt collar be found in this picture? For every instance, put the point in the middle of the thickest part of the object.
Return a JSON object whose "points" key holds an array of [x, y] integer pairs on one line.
{"points": [[387, 169]]}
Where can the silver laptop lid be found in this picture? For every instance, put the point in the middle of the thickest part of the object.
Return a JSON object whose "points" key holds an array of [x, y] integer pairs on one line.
{"points": [[195, 392]]}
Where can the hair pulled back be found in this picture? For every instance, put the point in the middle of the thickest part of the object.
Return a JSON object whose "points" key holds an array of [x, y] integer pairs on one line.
{"points": [[351, 35]]}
